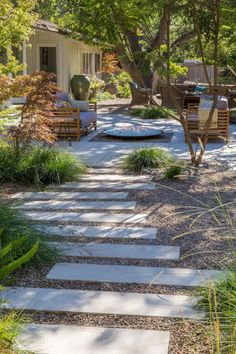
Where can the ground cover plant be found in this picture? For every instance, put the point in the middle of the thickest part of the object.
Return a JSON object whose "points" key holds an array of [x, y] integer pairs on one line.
{"points": [[38, 165], [151, 112], [153, 158]]}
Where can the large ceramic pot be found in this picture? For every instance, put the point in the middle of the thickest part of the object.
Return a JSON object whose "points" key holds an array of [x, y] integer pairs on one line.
{"points": [[80, 85]]}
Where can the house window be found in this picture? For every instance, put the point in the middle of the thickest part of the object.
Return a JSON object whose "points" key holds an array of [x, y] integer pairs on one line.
{"points": [[97, 62], [88, 63]]}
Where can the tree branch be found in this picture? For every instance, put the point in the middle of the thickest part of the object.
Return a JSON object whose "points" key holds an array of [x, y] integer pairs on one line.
{"points": [[184, 38]]}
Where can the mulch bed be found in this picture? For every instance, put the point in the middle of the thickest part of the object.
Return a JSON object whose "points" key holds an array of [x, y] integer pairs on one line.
{"points": [[163, 138]]}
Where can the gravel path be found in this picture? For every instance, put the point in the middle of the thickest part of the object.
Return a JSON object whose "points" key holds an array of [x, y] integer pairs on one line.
{"points": [[172, 208]]}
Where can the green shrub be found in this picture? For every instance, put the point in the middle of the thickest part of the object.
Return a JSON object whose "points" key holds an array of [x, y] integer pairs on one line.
{"points": [[139, 159], [104, 96], [123, 78], [173, 170], [124, 91], [151, 112], [38, 165], [14, 227]]}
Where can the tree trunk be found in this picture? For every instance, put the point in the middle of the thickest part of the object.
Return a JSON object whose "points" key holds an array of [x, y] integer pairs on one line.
{"points": [[139, 72]]}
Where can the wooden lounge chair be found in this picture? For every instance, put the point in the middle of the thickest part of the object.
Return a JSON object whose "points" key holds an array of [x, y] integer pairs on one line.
{"points": [[221, 131], [140, 96], [72, 123]]}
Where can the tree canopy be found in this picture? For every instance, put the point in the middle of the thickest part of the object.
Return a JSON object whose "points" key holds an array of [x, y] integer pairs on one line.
{"points": [[138, 28], [16, 25]]}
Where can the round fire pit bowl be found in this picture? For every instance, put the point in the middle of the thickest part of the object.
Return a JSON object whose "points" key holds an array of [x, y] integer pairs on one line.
{"points": [[136, 132]]}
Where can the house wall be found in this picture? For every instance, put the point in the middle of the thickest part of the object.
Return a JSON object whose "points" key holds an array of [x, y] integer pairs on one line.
{"points": [[69, 55]]}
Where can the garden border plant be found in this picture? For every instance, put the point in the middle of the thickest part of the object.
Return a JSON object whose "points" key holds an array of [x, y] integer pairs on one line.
{"points": [[38, 165]]}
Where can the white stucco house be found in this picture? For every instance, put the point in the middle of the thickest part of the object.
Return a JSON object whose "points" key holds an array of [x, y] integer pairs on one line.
{"points": [[51, 49]]}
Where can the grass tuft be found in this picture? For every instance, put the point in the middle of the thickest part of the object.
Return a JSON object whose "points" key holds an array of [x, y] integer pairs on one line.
{"points": [[38, 166], [153, 158], [173, 171]]}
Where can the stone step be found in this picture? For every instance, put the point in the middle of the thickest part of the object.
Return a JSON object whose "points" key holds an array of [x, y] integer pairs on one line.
{"points": [[115, 177], [108, 185], [111, 250], [99, 231], [106, 171], [86, 217], [97, 302], [131, 274], [76, 205], [69, 195], [61, 339]]}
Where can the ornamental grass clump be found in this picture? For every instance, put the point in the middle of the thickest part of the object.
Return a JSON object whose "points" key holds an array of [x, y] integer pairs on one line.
{"points": [[46, 165], [12, 325], [219, 303], [152, 158], [38, 165], [174, 170]]}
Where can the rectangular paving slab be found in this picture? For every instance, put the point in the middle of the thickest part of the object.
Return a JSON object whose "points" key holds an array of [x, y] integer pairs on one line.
{"points": [[108, 185], [86, 217], [100, 302], [115, 177], [111, 250], [131, 274], [69, 195], [61, 339], [99, 231], [76, 205]]}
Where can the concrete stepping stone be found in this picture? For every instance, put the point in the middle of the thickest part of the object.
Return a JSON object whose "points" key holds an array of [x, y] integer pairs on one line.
{"points": [[115, 177], [111, 250], [105, 170], [131, 274], [61, 339], [99, 231], [69, 195], [108, 185], [76, 205], [97, 302], [86, 217]]}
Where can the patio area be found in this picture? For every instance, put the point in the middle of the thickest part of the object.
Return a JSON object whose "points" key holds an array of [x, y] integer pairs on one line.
{"points": [[110, 154]]}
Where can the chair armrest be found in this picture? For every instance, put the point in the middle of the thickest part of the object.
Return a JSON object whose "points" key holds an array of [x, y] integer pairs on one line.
{"points": [[93, 106]]}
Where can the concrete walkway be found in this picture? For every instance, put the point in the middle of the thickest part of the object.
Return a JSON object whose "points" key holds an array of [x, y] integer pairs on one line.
{"points": [[109, 154]]}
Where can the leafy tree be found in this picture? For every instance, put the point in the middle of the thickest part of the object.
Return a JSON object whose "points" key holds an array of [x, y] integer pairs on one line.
{"points": [[16, 26], [36, 123], [135, 28]]}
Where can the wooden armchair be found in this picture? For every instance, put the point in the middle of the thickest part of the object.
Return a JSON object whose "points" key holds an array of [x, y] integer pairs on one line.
{"points": [[140, 96], [72, 123], [221, 131]]}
